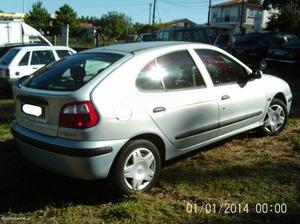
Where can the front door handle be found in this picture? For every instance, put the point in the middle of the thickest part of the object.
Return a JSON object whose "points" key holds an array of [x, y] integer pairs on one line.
{"points": [[159, 109], [225, 97]]}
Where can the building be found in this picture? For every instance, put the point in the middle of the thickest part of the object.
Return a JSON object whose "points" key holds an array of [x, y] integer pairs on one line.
{"points": [[180, 22], [238, 16], [12, 16]]}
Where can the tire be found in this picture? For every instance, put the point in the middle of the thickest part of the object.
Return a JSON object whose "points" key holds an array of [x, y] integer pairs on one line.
{"points": [[275, 119], [137, 167]]}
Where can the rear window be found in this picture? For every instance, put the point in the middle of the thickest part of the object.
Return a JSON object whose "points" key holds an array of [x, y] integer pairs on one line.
{"points": [[63, 53], [9, 56], [73, 72]]}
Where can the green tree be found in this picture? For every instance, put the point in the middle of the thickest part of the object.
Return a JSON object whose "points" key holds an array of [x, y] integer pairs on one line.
{"points": [[288, 18], [67, 15], [38, 17], [114, 25]]}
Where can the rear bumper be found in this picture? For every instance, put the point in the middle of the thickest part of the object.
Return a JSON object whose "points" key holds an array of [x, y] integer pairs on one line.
{"points": [[79, 159]]}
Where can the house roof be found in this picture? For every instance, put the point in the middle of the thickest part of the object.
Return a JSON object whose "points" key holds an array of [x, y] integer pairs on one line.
{"points": [[184, 20], [238, 2], [87, 25]]}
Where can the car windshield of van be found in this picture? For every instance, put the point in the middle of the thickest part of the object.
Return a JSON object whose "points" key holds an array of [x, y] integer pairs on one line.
{"points": [[71, 73], [8, 56]]}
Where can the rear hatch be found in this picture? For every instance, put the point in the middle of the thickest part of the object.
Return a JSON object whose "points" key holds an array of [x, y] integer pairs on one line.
{"points": [[41, 97]]}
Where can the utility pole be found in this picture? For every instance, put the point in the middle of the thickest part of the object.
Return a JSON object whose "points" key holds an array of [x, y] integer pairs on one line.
{"points": [[150, 9], [209, 11], [242, 17], [24, 6], [154, 6]]}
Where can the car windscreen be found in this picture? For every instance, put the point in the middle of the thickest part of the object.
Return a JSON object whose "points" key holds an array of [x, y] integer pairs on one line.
{"points": [[8, 56], [292, 44], [71, 73], [247, 39]]}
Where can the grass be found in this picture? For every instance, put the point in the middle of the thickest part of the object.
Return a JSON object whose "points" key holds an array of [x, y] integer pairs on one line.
{"points": [[244, 170]]}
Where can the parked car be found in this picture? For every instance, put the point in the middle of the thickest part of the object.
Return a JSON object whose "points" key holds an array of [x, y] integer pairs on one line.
{"points": [[288, 54], [226, 41], [24, 60], [193, 34], [252, 48], [145, 37], [6, 47], [122, 111]]}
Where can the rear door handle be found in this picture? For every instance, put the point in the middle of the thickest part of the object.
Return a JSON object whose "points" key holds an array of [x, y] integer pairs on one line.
{"points": [[159, 109], [225, 97]]}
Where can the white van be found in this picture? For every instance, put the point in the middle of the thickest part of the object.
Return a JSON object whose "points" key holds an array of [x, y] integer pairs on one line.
{"points": [[22, 61], [20, 32]]}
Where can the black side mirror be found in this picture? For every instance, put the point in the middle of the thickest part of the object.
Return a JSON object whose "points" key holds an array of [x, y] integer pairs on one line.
{"points": [[22, 80], [256, 74]]}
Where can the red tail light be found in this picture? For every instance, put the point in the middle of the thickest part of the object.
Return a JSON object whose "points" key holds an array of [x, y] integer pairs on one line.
{"points": [[78, 115]]}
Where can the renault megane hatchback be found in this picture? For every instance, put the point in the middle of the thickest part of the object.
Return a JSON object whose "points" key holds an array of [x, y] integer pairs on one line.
{"points": [[121, 111]]}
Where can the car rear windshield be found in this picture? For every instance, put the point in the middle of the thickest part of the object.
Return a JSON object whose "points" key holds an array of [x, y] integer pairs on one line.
{"points": [[71, 73], [8, 56]]}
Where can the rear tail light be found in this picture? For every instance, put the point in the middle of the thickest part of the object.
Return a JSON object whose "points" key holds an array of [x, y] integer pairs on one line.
{"points": [[7, 73], [78, 115]]}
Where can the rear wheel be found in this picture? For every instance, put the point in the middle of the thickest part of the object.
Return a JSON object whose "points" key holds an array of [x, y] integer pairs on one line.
{"points": [[275, 119], [137, 168]]}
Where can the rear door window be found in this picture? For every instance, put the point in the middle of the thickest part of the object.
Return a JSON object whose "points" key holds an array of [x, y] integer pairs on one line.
{"points": [[25, 59], [63, 53], [42, 57], [72, 72]]}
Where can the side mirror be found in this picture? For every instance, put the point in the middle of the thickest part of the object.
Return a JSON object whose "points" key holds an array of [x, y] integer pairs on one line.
{"points": [[22, 80], [256, 74]]}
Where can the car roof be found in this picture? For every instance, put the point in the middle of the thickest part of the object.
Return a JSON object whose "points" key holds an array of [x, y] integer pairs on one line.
{"points": [[34, 47], [141, 46]]}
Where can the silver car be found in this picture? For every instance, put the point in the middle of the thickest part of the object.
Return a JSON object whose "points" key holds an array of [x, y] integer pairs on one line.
{"points": [[122, 111]]}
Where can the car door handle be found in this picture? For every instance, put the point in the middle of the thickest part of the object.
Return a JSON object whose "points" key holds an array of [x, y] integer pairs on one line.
{"points": [[225, 97], [159, 109], [35, 68]]}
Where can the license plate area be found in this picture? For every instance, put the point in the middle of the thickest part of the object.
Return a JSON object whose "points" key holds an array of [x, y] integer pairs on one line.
{"points": [[34, 107], [33, 110]]}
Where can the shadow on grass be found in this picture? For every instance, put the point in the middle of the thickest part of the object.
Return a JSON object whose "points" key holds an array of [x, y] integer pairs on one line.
{"points": [[26, 188], [268, 182]]}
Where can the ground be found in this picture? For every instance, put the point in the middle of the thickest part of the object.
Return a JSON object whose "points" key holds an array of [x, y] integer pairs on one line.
{"points": [[245, 179]]}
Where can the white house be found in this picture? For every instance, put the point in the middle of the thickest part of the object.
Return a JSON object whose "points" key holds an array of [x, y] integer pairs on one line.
{"points": [[240, 16]]}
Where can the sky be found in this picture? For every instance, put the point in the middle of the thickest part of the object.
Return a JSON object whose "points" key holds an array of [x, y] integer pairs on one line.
{"points": [[138, 10]]}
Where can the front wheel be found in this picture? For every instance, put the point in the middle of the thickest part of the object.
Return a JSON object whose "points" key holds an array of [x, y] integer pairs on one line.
{"points": [[137, 168], [275, 119]]}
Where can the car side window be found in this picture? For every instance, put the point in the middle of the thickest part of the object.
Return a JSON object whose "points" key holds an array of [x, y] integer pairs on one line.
{"points": [[149, 78], [63, 53], [222, 69], [182, 35], [25, 59], [200, 36], [172, 71], [179, 71], [42, 57]]}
